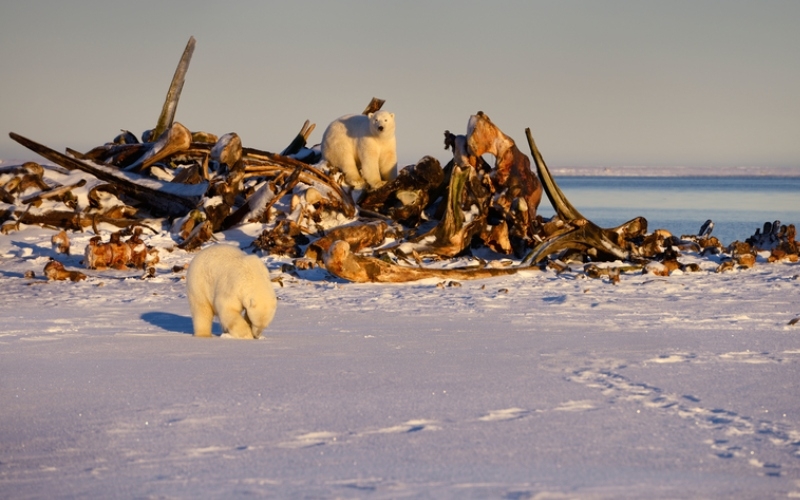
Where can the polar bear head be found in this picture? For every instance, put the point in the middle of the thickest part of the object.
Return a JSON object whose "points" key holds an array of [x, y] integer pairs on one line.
{"points": [[381, 123], [258, 299], [259, 311]]}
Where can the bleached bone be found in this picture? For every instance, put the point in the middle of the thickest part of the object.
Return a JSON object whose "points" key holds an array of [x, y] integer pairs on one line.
{"points": [[259, 162], [60, 242], [300, 140], [512, 168], [226, 151], [172, 199], [55, 270], [175, 139], [167, 116], [342, 262], [409, 194], [357, 236], [585, 236], [52, 193]]}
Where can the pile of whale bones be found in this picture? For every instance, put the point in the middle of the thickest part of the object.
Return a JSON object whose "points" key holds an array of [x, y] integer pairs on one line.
{"points": [[408, 229]]}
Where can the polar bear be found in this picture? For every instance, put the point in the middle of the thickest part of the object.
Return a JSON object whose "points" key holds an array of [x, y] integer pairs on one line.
{"points": [[224, 281], [363, 147]]}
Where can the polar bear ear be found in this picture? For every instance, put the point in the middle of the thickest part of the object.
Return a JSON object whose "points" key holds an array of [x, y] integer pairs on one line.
{"points": [[391, 114], [370, 115]]}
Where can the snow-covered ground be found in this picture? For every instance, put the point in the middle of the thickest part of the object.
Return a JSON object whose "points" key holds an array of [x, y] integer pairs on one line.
{"points": [[532, 386]]}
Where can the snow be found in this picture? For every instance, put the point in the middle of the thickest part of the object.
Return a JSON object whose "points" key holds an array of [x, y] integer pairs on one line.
{"points": [[537, 385]]}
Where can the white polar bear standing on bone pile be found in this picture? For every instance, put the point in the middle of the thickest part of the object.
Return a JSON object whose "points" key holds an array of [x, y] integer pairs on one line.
{"points": [[224, 281], [363, 147]]}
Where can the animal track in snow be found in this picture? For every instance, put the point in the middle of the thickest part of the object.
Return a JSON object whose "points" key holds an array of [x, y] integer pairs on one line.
{"points": [[507, 414], [748, 357], [319, 438], [575, 406], [741, 434], [310, 439], [678, 357], [410, 426]]}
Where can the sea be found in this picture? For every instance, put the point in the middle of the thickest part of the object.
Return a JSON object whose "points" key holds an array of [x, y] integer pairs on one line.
{"points": [[738, 205]]}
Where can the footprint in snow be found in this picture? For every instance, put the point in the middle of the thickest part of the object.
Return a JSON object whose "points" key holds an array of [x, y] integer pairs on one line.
{"points": [[310, 439], [320, 438], [407, 427], [506, 414], [747, 357], [743, 436]]}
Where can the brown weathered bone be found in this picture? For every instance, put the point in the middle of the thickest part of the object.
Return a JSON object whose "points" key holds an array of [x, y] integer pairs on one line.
{"points": [[52, 193], [171, 199], [300, 140], [200, 234], [250, 206], [167, 116], [5, 196], [357, 236], [562, 206], [119, 254], [26, 176], [514, 189], [256, 206], [27, 168], [100, 193], [259, 162], [120, 155], [183, 226], [284, 239], [142, 255], [55, 270], [175, 139], [63, 219], [60, 242], [584, 235], [226, 152], [787, 248], [405, 197], [512, 168], [342, 262], [374, 105], [593, 271], [455, 230], [497, 238]]}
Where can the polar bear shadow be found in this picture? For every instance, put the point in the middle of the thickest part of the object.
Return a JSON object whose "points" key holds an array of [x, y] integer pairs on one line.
{"points": [[176, 323]]}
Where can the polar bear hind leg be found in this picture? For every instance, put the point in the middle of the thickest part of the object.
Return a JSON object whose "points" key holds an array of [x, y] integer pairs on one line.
{"points": [[202, 316], [337, 150]]}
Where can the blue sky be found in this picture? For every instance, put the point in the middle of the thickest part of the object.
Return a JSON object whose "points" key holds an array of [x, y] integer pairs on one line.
{"points": [[607, 83]]}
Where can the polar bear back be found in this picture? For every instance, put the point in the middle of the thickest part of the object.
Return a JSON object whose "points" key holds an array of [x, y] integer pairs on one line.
{"points": [[362, 147]]}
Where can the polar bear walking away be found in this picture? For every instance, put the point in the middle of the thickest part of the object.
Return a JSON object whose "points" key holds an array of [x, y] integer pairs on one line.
{"points": [[224, 281], [363, 147]]}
